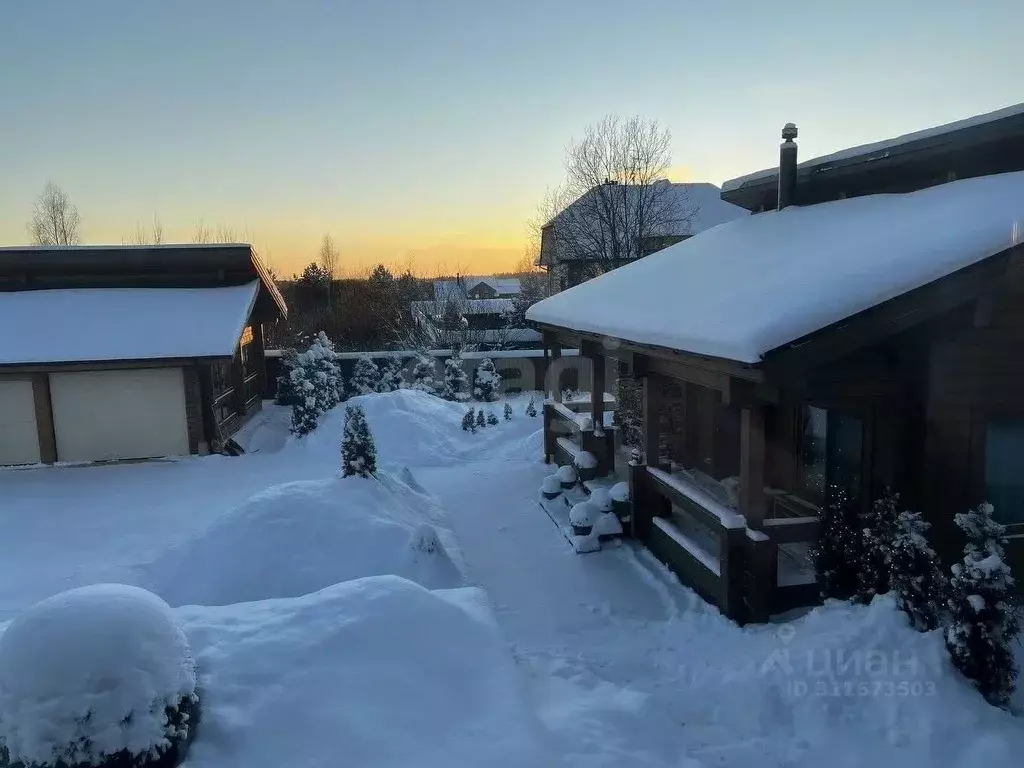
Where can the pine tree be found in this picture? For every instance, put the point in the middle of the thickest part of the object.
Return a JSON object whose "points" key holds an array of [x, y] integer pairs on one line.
{"points": [[876, 530], [469, 421], [837, 554], [531, 407], [424, 372], [305, 413], [492, 418], [358, 451], [486, 381], [285, 392], [365, 376], [481, 420], [917, 582], [981, 635], [391, 376], [325, 373], [456, 383], [507, 412]]}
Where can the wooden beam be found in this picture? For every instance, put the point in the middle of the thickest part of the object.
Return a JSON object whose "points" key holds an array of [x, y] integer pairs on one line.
{"points": [[752, 465], [652, 399], [789, 530], [675, 369], [44, 418]]}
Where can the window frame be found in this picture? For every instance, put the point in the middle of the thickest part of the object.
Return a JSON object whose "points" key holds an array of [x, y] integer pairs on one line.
{"points": [[862, 412], [980, 420]]}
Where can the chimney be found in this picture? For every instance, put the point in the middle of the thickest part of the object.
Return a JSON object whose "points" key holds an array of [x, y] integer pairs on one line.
{"points": [[787, 167]]}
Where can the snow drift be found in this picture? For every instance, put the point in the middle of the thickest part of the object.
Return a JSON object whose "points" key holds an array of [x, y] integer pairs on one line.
{"points": [[299, 537], [373, 672]]}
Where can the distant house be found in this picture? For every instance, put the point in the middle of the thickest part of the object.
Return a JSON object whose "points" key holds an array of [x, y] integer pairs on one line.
{"points": [[473, 310], [614, 224], [861, 333], [129, 352], [469, 287]]}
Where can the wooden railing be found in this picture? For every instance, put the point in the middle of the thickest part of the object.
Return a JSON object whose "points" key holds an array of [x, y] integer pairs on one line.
{"points": [[564, 437]]}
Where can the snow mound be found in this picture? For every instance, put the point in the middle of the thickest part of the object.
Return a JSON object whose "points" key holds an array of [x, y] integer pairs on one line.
{"points": [[296, 538], [91, 672], [373, 672]]}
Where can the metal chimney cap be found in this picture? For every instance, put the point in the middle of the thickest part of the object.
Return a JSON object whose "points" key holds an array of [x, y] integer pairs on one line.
{"points": [[789, 131]]}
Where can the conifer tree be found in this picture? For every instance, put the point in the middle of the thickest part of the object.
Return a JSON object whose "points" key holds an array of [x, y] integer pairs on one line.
{"points": [[424, 373], [492, 418], [456, 383], [983, 627], [325, 373], [876, 530], [917, 582], [469, 421], [531, 407], [837, 554], [365, 376], [507, 412], [305, 413], [285, 392], [391, 376], [486, 381], [358, 451], [481, 420]]}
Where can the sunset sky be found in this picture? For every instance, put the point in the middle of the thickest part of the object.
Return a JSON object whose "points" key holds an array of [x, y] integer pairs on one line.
{"points": [[425, 131]]}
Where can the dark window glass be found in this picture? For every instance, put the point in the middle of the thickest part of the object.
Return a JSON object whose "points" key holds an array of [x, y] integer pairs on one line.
{"points": [[813, 442], [1004, 470], [831, 453]]}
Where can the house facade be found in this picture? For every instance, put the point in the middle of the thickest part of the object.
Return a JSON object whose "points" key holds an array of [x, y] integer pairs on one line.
{"points": [[860, 334], [614, 224], [474, 311], [129, 352]]}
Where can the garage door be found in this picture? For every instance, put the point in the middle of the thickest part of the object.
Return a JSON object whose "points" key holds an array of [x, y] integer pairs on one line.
{"points": [[19, 440], [132, 414]]}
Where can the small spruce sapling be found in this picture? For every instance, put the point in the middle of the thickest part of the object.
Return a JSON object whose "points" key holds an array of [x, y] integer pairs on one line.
{"points": [[486, 381], [423, 373], [456, 383], [325, 373], [837, 554], [358, 451], [492, 418], [365, 376], [305, 413], [507, 411], [531, 407], [469, 421], [481, 420], [917, 582], [876, 530], [983, 626], [285, 394], [391, 376]]}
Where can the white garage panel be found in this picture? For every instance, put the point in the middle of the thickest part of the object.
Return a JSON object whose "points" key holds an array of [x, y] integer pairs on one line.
{"points": [[19, 440], [130, 414]]}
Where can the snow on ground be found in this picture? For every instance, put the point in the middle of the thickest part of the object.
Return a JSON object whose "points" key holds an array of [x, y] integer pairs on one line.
{"points": [[615, 663]]}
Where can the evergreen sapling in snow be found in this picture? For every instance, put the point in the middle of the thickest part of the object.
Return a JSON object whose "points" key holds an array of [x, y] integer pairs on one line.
{"points": [[285, 393], [326, 375], [980, 636], [456, 383], [876, 531], [358, 451], [492, 418], [531, 407], [481, 420], [469, 421], [508, 412], [917, 583], [423, 373], [837, 554], [365, 376], [305, 413], [486, 381], [391, 376]]}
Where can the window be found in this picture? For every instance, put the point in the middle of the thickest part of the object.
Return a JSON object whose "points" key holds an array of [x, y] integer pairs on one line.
{"points": [[1004, 470], [831, 450]]}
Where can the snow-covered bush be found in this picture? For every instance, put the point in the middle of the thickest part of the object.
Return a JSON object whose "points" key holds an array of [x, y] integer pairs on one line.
{"points": [[601, 499], [424, 373], [551, 486], [358, 451], [586, 465], [486, 381], [983, 627], [325, 374], [481, 420], [456, 383], [620, 492], [876, 530], [582, 517], [96, 676], [469, 421], [391, 376], [305, 406], [567, 476], [586, 423], [531, 407], [285, 392], [365, 376], [492, 418], [507, 412], [917, 582], [837, 554]]}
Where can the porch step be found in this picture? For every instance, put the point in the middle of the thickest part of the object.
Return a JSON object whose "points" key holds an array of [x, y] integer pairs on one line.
{"points": [[557, 509]]}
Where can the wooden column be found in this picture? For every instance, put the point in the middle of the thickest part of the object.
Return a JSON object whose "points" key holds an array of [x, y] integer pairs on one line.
{"points": [[540, 381], [597, 385], [652, 399], [752, 461], [261, 359], [554, 374]]}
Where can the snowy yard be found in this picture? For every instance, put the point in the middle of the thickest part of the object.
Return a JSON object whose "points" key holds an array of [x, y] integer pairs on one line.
{"points": [[436, 617]]}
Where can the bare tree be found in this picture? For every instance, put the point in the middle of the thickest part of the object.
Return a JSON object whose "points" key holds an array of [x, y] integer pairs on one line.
{"points": [[202, 234], [329, 261], [55, 219], [616, 203], [143, 236]]}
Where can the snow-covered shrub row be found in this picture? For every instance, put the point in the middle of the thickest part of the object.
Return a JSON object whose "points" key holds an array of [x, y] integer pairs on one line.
{"points": [[96, 676]]}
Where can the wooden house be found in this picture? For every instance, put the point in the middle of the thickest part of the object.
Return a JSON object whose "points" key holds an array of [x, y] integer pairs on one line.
{"points": [[862, 331], [129, 352]]}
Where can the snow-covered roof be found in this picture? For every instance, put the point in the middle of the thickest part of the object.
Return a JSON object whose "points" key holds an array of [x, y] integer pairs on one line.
{"points": [[503, 286], [465, 306], [96, 324], [749, 286], [880, 148]]}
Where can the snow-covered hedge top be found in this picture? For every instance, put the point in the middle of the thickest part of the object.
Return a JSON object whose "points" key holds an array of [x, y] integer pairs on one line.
{"points": [[585, 460], [551, 484], [601, 499], [757, 283], [582, 513], [567, 474], [620, 492], [74, 666]]}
